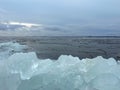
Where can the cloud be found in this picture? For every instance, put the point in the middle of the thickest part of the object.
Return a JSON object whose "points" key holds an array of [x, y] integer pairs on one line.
{"points": [[64, 17], [83, 29], [3, 13]]}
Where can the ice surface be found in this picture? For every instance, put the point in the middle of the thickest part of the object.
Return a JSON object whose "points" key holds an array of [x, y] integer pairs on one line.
{"points": [[8, 48], [106, 82], [27, 72]]}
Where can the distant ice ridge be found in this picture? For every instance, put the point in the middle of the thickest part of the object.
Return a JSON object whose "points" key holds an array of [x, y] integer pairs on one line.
{"points": [[27, 72]]}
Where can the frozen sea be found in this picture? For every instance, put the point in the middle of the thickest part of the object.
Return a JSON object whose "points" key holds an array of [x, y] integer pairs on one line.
{"points": [[59, 63]]}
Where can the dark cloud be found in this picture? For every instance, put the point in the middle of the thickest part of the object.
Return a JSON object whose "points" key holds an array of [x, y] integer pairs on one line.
{"points": [[62, 17]]}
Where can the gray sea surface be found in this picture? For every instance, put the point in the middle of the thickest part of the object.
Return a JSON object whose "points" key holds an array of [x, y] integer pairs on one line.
{"points": [[79, 46]]}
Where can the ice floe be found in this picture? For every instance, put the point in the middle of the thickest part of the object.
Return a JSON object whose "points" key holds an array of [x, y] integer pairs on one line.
{"points": [[27, 72]]}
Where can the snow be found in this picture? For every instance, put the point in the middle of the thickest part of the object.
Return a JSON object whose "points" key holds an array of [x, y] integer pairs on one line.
{"points": [[27, 72]]}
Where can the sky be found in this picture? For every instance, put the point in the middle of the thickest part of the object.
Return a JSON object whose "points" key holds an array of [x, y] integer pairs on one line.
{"points": [[64, 17]]}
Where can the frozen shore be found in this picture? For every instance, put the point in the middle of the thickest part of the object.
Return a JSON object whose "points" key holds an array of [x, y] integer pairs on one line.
{"points": [[27, 72]]}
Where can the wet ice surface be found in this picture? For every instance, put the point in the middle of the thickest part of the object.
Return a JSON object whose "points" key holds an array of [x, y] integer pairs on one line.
{"points": [[28, 72]]}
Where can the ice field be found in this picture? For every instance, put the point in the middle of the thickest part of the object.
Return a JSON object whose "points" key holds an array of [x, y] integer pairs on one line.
{"points": [[24, 71]]}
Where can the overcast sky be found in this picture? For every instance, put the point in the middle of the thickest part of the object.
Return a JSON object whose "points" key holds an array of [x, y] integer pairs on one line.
{"points": [[65, 17]]}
